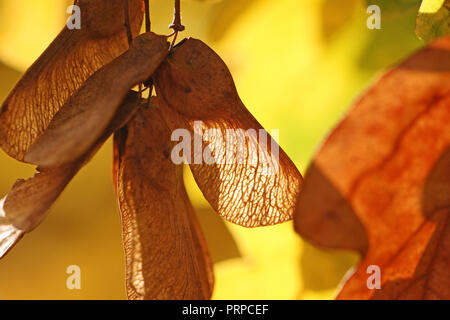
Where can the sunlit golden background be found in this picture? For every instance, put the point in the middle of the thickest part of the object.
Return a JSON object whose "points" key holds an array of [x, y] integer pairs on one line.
{"points": [[298, 64]]}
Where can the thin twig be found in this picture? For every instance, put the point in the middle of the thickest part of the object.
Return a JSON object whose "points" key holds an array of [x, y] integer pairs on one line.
{"points": [[172, 44], [148, 23], [127, 22]]}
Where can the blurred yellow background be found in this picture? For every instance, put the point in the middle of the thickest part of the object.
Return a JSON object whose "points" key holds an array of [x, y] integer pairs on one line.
{"points": [[298, 64]]}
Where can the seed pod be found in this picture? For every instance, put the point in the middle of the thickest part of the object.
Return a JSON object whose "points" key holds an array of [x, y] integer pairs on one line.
{"points": [[250, 181], [27, 202], [63, 67], [79, 123], [166, 254]]}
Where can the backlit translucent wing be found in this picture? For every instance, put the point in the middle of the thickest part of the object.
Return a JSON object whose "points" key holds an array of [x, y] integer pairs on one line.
{"points": [[166, 254], [80, 122], [240, 169], [69, 60]]}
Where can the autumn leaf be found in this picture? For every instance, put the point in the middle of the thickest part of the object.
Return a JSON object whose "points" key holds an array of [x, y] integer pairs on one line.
{"points": [[79, 123], [433, 20], [66, 64], [380, 184], [193, 85], [166, 254]]}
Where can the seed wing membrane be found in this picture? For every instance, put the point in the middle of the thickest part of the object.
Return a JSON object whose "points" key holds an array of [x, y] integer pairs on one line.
{"points": [[166, 253], [63, 67], [250, 180]]}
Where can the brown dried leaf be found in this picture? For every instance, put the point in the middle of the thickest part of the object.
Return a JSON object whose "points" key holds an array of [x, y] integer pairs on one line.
{"points": [[79, 123], [166, 255], [28, 201], [194, 84], [71, 59], [381, 182]]}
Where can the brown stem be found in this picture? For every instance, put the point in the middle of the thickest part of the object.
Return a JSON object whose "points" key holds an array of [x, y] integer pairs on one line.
{"points": [[173, 40], [127, 22], [148, 23], [176, 25]]}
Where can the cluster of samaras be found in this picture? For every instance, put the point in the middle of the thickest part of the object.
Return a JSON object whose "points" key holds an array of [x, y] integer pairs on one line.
{"points": [[79, 93]]}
